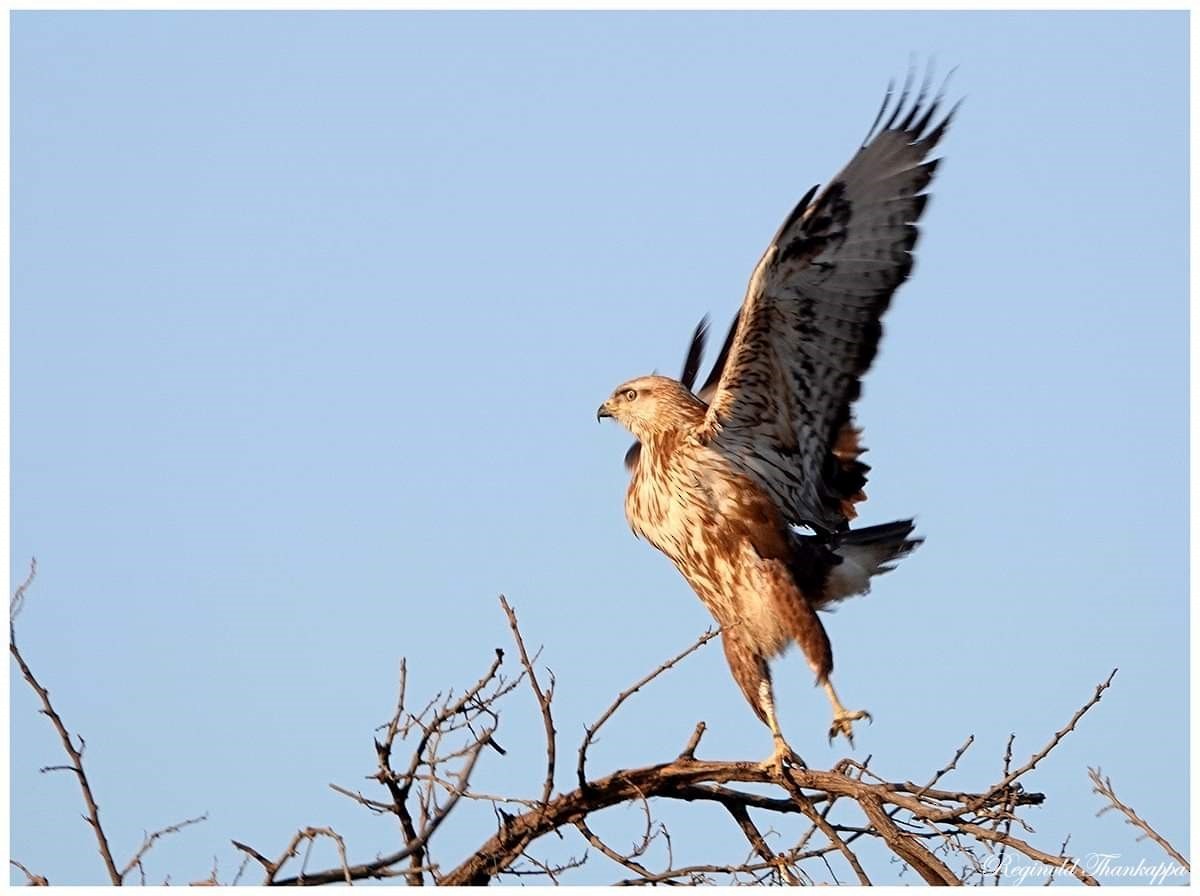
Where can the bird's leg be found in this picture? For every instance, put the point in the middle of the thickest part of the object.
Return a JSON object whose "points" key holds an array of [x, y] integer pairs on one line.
{"points": [[783, 754], [842, 717], [753, 676]]}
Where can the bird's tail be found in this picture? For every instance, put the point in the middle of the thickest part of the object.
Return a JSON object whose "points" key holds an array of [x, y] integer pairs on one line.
{"points": [[864, 553]]}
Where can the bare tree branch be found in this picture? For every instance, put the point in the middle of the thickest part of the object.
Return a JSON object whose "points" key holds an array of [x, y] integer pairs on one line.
{"points": [[152, 838], [925, 863], [755, 838], [590, 731], [543, 698], [1103, 786], [35, 880], [1058, 862], [1037, 757], [923, 826], [75, 754], [18, 599], [605, 849]]}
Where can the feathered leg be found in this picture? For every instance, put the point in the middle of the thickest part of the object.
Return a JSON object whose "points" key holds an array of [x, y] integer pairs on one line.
{"points": [[753, 675], [810, 634]]}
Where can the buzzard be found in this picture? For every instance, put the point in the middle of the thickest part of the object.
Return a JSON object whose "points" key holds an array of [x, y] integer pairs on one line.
{"points": [[724, 479]]}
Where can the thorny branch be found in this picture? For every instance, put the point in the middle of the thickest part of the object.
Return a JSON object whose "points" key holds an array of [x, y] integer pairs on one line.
{"points": [[1103, 786], [909, 820], [75, 755], [543, 698], [921, 825], [590, 732], [151, 839], [34, 880]]}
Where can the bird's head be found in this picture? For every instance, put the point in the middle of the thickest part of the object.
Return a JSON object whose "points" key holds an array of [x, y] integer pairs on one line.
{"points": [[650, 405]]}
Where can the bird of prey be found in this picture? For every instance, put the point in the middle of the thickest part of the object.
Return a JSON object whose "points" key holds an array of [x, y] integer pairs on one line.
{"points": [[724, 479]]}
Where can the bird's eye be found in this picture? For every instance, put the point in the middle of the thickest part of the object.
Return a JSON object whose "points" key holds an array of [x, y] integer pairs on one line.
{"points": [[630, 394]]}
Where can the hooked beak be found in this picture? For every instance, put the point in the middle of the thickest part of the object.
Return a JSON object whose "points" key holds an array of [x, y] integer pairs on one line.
{"points": [[603, 411]]}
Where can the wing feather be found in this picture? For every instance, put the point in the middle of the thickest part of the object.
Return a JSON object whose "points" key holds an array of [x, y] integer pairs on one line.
{"points": [[809, 326], [691, 367]]}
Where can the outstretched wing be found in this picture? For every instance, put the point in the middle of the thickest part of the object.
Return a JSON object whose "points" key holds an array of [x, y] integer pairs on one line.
{"points": [[809, 325]]}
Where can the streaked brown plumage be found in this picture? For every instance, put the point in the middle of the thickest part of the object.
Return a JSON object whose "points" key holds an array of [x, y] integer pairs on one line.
{"points": [[721, 480]]}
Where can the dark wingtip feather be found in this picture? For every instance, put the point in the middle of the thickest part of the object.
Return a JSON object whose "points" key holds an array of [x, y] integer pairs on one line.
{"points": [[908, 79], [916, 118], [691, 363], [922, 93], [887, 98], [714, 376]]}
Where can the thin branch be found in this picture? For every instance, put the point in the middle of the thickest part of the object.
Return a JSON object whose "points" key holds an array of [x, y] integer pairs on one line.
{"points": [[400, 786], [949, 767], [379, 808], [1060, 862], [755, 838], [75, 754], [590, 732], [35, 880], [1103, 786], [1060, 734], [1008, 755], [379, 867], [910, 849], [1062, 855], [1037, 757], [18, 598], [689, 749], [309, 835], [605, 849], [543, 698], [151, 839], [807, 807]]}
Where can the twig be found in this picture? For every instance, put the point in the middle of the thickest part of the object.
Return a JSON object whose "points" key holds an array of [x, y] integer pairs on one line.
{"points": [[1034, 759], [35, 880], [543, 698], [1103, 786], [910, 849], [1062, 855], [75, 754], [1008, 755], [949, 767], [689, 749], [590, 732], [151, 839], [605, 849], [399, 786], [379, 867], [1025, 849], [18, 598], [237, 878], [379, 808], [807, 807], [1060, 734], [755, 838], [308, 834]]}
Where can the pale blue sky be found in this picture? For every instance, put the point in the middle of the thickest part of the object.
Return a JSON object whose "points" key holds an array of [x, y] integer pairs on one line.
{"points": [[310, 317]]}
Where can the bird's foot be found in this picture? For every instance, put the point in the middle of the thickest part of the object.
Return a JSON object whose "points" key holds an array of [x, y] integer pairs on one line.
{"points": [[843, 723], [783, 757]]}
